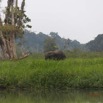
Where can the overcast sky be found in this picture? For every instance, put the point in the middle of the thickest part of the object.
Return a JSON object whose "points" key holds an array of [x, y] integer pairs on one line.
{"points": [[74, 19]]}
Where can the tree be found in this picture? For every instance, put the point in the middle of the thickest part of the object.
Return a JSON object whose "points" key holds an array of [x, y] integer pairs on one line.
{"points": [[13, 25], [50, 45]]}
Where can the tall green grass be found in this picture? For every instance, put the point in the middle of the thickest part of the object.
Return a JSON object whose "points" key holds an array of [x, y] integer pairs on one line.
{"points": [[31, 73]]}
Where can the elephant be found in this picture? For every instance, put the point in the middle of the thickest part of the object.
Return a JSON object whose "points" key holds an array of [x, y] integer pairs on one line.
{"points": [[55, 55]]}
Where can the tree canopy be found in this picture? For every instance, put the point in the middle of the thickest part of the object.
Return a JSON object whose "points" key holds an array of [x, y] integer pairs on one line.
{"points": [[14, 23]]}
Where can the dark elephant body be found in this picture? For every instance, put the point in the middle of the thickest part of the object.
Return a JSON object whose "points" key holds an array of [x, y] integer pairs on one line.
{"points": [[55, 55]]}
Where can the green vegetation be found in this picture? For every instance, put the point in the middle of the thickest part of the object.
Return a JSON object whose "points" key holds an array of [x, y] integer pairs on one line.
{"points": [[50, 44], [33, 73], [81, 54]]}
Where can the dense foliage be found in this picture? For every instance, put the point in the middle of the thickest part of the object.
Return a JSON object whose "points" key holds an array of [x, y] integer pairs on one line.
{"points": [[34, 42], [38, 42], [11, 26], [96, 44], [50, 44]]}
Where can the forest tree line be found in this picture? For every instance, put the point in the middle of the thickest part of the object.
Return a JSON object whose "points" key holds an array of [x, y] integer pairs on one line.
{"points": [[40, 42]]}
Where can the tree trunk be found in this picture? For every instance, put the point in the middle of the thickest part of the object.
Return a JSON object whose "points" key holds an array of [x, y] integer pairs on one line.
{"points": [[13, 46], [3, 46], [12, 37], [9, 48]]}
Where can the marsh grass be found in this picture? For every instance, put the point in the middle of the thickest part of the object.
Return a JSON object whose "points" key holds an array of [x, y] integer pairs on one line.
{"points": [[31, 73]]}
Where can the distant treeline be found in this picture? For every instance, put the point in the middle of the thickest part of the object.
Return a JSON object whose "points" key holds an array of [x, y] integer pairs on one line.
{"points": [[35, 42]]}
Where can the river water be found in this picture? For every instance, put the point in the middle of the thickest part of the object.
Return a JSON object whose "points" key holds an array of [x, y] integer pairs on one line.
{"points": [[70, 96]]}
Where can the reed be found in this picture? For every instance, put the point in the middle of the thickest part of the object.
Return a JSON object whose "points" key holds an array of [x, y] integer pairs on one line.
{"points": [[32, 73]]}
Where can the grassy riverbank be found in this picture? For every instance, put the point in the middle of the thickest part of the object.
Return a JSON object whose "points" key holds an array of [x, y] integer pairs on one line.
{"points": [[40, 74]]}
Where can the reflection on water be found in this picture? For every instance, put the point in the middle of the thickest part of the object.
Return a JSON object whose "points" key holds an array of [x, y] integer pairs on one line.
{"points": [[71, 96]]}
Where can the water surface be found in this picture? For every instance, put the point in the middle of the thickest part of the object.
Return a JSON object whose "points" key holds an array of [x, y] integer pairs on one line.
{"points": [[70, 96]]}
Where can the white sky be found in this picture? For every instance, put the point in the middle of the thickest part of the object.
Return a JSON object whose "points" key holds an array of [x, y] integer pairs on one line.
{"points": [[75, 19]]}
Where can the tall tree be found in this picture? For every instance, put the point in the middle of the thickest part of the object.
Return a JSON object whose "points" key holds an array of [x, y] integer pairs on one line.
{"points": [[13, 25], [50, 44]]}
